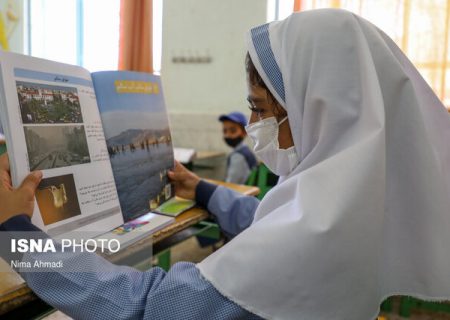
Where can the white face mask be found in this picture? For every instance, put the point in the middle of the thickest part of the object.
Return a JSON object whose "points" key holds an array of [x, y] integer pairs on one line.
{"points": [[264, 134]]}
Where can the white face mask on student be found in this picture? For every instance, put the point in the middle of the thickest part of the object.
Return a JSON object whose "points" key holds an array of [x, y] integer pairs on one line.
{"points": [[264, 134]]}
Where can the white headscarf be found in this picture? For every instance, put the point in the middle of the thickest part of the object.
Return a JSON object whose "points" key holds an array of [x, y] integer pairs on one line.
{"points": [[366, 214]]}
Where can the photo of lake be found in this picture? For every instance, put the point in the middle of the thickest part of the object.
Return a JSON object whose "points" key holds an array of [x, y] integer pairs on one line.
{"points": [[140, 171], [138, 139]]}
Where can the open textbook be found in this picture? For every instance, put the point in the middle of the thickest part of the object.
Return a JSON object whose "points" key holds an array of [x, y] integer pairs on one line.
{"points": [[102, 141]]}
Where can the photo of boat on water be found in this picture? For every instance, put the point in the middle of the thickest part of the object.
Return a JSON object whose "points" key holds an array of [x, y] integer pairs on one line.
{"points": [[140, 148]]}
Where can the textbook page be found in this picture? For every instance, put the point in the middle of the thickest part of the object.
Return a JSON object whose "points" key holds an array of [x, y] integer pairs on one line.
{"points": [[52, 123], [184, 155], [137, 133]]}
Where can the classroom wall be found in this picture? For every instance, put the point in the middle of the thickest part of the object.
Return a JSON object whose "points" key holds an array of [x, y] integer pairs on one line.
{"points": [[198, 91]]}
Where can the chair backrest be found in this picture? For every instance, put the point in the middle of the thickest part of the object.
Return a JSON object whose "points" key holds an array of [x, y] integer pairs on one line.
{"points": [[262, 178], [251, 180], [2, 148]]}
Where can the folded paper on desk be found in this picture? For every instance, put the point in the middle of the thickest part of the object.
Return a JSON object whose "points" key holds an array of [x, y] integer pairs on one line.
{"points": [[102, 141]]}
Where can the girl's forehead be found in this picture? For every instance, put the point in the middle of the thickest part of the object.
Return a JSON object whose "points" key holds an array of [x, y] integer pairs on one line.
{"points": [[256, 91]]}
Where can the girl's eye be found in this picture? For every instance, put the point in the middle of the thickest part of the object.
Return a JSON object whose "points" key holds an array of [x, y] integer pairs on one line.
{"points": [[256, 110]]}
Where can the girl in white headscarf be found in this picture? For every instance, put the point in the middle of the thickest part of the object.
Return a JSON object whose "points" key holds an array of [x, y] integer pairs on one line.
{"points": [[361, 212], [365, 211]]}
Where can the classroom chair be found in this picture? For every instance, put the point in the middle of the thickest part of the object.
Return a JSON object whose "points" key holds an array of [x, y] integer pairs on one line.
{"points": [[2, 148], [206, 229], [387, 305], [251, 180], [409, 303], [262, 178]]}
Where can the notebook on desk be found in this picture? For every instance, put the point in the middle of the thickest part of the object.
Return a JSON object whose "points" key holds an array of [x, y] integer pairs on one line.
{"points": [[175, 206]]}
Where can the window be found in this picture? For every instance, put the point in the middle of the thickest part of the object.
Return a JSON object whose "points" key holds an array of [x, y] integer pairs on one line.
{"points": [[157, 34], [279, 9], [82, 32], [420, 28]]}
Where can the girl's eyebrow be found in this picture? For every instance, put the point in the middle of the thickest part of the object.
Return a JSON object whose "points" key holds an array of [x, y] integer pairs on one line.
{"points": [[254, 99]]}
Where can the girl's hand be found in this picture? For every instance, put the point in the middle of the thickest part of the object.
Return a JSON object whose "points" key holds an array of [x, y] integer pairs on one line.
{"points": [[16, 201], [185, 181]]}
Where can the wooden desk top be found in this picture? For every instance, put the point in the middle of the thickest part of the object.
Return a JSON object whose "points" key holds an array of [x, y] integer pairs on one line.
{"points": [[201, 155], [14, 292], [241, 188]]}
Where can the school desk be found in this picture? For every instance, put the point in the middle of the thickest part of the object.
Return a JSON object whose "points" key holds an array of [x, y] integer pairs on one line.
{"points": [[204, 163], [14, 292]]}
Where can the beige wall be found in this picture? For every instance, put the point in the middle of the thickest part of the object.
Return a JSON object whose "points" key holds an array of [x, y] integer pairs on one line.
{"points": [[197, 93]]}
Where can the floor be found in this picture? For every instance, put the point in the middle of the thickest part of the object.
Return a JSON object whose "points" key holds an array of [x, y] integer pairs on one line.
{"points": [[190, 251]]}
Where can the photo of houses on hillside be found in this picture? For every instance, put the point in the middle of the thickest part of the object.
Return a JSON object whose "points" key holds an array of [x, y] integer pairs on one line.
{"points": [[41, 103]]}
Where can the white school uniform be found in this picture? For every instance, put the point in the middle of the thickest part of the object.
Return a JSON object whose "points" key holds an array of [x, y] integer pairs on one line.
{"points": [[366, 214]]}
